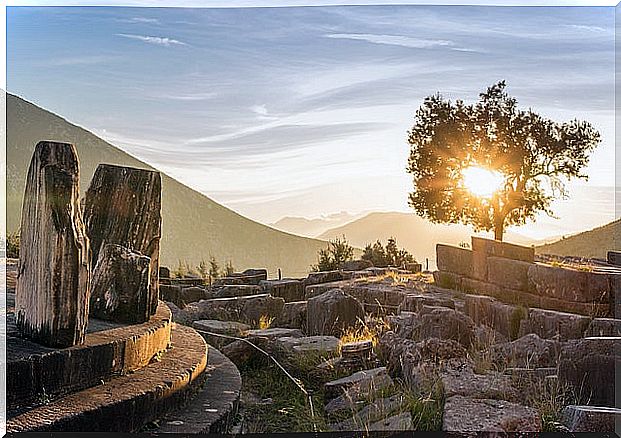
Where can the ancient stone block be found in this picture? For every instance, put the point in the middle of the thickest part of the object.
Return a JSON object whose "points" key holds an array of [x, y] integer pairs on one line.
{"points": [[463, 414], [275, 332], [238, 290], [528, 351], [248, 309], [289, 290], [591, 418], [614, 257], [413, 303], [454, 259], [550, 324], [164, 272], [332, 312], [171, 293], [445, 323], [122, 206], [589, 365], [487, 310], [356, 265], [509, 273], [604, 327], [293, 315], [570, 284], [484, 248], [317, 289], [323, 277], [51, 303], [120, 286], [373, 378], [465, 382], [310, 344], [447, 280], [249, 276]]}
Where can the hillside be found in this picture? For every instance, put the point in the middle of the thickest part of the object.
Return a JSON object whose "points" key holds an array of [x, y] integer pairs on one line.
{"points": [[193, 226], [593, 244], [417, 235]]}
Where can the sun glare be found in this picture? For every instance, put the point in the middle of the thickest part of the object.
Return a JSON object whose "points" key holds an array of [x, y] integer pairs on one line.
{"points": [[482, 182]]}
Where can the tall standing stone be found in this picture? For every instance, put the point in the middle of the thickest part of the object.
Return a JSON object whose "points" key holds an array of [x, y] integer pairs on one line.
{"points": [[122, 207], [51, 301]]}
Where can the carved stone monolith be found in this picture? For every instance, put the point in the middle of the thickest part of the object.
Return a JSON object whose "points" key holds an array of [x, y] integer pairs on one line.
{"points": [[122, 207], [52, 294], [120, 286]]}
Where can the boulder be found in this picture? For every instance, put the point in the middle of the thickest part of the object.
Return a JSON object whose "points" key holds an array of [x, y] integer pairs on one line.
{"points": [[52, 291], [591, 418], [614, 257], [293, 315], [317, 289], [120, 286], [193, 294], [122, 206], [171, 293], [501, 317], [570, 284], [552, 324], [589, 365], [356, 265], [289, 290], [164, 272], [445, 323], [332, 312], [528, 351], [464, 414]]}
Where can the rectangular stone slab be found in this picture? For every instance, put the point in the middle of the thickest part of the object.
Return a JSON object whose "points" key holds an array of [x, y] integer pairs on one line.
{"points": [[51, 303]]}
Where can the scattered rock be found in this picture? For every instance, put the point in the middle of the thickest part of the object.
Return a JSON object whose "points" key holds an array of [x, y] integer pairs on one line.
{"points": [[231, 328], [591, 418], [486, 310], [552, 324], [318, 344], [293, 315], [414, 303], [463, 414], [374, 378], [589, 365], [529, 351], [332, 312], [465, 382], [371, 413], [445, 323], [237, 290], [570, 284], [276, 332], [397, 422], [323, 277], [289, 290], [193, 294], [244, 309], [604, 327]]}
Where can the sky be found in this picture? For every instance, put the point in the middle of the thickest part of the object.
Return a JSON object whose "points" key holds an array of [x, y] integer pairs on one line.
{"points": [[304, 111]]}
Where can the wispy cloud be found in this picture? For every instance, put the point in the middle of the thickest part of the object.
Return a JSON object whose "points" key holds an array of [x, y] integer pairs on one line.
{"points": [[586, 27], [393, 40], [160, 41], [140, 20], [188, 97]]}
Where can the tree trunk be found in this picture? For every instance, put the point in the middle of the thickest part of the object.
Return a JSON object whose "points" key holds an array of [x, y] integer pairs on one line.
{"points": [[499, 227], [123, 207], [51, 301]]}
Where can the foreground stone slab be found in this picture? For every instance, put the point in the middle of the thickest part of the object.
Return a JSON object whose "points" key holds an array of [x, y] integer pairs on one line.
{"points": [[484, 248], [509, 273], [293, 315], [122, 206], [445, 323], [528, 351], [375, 412], [51, 302], [372, 378], [604, 327], [246, 309], [125, 403], [415, 302], [120, 286], [396, 422], [465, 382], [454, 259], [289, 290], [463, 414], [591, 418], [231, 328], [276, 332], [570, 284], [306, 344]]}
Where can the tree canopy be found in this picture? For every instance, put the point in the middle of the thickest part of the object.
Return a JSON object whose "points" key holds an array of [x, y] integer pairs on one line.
{"points": [[534, 156]]}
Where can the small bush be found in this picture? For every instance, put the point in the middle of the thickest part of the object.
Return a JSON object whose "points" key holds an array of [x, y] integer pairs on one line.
{"points": [[12, 245], [331, 258]]}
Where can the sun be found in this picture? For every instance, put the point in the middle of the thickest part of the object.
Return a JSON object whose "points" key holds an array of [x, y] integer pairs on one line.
{"points": [[482, 182]]}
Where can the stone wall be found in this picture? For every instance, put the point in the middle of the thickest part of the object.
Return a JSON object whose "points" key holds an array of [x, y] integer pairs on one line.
{"points": [[510, 273]]}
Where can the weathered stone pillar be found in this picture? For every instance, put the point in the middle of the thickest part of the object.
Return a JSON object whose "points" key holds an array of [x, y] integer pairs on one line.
{"points": [[120, 286], [122, 207], [51, 301]]}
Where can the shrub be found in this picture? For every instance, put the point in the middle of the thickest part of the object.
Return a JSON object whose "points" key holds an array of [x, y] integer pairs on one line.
{"points": [[391, 255], [331, 258], [12, 245]]}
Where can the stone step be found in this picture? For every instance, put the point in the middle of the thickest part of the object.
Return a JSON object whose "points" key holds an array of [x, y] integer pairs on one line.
{"points": [[36, 373], [127, 402], [214, 407]]}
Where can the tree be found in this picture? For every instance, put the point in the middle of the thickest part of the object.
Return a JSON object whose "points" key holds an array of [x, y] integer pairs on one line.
{"points": [[376, 254], [228, 268], [533, 155], [214, 268], [12, 245], [333, 257]]}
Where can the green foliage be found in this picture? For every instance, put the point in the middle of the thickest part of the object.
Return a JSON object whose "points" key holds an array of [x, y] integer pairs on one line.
{"points": [[382, 257], [214, 268], [534, 154], [12, 245], [338, 252], [228, 269]]}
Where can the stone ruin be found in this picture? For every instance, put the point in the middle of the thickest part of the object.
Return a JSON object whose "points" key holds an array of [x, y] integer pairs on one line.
{"points": [[489, 324]]}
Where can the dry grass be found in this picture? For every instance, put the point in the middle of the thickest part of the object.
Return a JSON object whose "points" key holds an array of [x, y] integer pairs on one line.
{"points": [[369, 330], [265, 322]]}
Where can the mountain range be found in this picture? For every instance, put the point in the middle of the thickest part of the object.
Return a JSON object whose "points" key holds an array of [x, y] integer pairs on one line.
{"points": [[194, 227]]}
